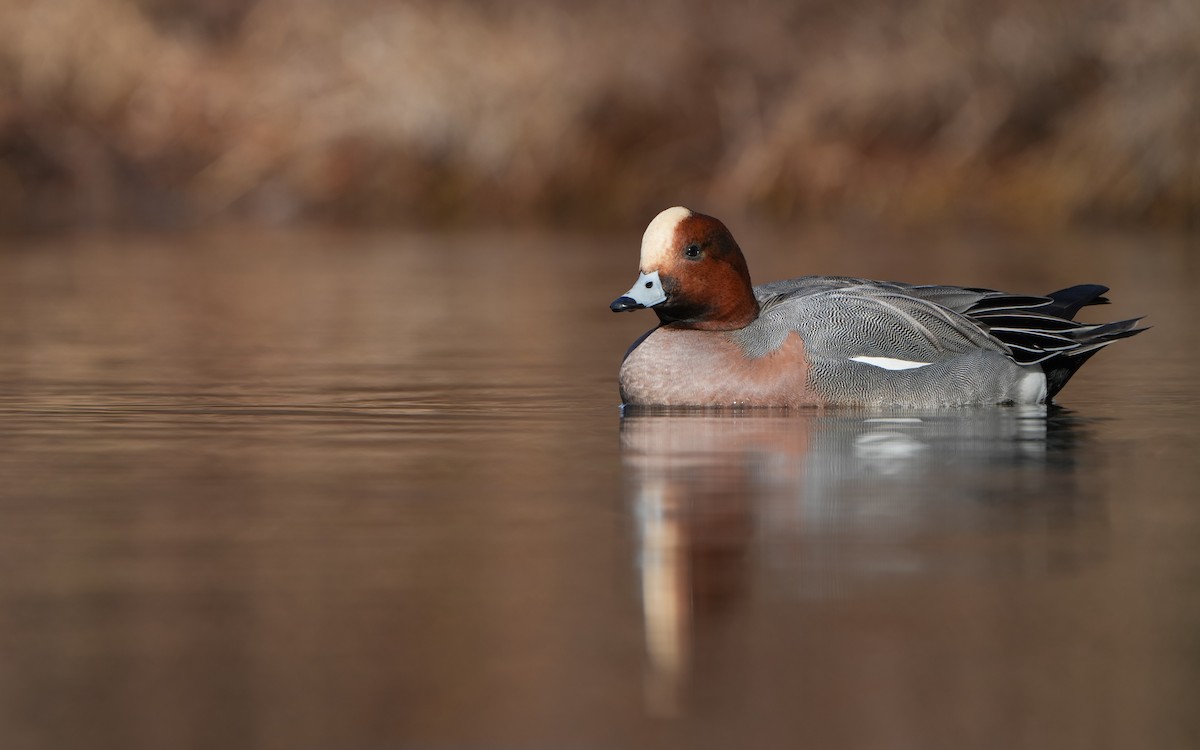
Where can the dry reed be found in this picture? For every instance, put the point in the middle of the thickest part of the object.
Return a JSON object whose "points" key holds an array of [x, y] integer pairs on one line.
{"points": [[166, 111]]}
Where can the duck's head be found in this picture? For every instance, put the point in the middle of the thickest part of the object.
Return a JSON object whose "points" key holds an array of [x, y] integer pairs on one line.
{"points": [[692, 274]]}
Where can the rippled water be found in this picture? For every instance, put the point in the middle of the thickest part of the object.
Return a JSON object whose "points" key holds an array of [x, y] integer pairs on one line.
{"points": [[374, 491]]}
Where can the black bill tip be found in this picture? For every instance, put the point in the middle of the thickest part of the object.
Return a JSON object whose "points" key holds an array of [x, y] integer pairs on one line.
{"points": [[624, 304]]}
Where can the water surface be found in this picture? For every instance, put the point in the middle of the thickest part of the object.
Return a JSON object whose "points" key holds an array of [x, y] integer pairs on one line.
{"points": [[342, 491]]}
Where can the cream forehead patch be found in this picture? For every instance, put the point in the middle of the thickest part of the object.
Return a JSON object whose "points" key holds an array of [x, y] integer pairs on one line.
{"points": [[660, 235]]}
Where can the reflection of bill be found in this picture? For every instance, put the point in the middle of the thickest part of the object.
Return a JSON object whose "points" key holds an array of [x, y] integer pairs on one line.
{"points": [[814, 504]]}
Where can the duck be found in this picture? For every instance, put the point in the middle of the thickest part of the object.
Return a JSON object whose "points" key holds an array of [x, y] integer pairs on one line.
{"points": [[821, 341]]}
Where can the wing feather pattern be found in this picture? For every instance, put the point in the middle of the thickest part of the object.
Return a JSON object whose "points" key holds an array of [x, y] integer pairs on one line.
{"points": [[935, 320]]}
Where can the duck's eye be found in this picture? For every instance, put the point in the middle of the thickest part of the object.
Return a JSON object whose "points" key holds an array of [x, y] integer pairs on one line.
{"points": [[692, 251]]}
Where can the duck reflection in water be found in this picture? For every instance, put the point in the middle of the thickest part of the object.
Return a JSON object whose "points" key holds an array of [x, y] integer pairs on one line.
{"points": [[813, 506]]}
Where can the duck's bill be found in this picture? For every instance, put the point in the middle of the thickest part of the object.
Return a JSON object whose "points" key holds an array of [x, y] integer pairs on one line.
{"points": [[646, 292]]}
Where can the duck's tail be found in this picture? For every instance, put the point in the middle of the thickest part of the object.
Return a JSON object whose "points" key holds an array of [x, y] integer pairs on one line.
{"points": [[1042, 330], [1088, 339]]}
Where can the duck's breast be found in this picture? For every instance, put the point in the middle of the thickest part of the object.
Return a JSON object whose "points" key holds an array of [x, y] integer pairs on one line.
{"points": [[681, 367]]}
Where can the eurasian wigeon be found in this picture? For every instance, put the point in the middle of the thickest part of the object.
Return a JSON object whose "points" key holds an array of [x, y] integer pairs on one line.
{"points": [[832, 340]]}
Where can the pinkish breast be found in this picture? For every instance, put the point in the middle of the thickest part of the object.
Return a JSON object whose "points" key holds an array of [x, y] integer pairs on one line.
{"points": [[682, 367]]}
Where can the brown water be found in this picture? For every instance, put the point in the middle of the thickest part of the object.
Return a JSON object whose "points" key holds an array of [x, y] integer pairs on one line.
{"points": [[347, 491]]}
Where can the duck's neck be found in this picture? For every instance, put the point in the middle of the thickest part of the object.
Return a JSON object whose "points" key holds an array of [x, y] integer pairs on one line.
{"points": [[731, 318], [726, 304]]}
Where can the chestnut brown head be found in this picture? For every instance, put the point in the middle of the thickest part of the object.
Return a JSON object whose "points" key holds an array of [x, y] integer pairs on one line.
{"points": [[693, 274]]}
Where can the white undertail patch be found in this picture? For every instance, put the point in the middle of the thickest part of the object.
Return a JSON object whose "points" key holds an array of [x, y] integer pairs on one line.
{"points": [[660, 236], [888, 363], [1032, 387]]}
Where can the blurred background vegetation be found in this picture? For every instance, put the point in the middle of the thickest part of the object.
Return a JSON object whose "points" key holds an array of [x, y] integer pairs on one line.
{"points": [[175, 112]]}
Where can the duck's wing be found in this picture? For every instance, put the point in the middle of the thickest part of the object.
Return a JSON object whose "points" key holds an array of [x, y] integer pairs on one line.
{"points": [[1035, 329], [935, 321], [878, 322]]}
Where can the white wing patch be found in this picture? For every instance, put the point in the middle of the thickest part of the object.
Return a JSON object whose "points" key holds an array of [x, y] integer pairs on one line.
{"points": [[888, 363]]}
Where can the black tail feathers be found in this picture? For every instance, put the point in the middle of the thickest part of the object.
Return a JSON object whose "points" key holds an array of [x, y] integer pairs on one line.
{"points": [[1043, 330], [1067, 302], [1087, 339]]}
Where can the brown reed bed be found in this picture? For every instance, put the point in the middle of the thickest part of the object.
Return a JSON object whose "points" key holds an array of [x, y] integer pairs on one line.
{"points": [[170, 112]]}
